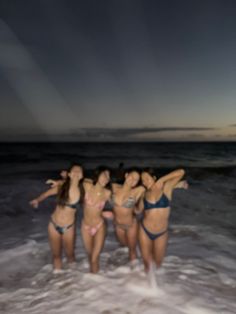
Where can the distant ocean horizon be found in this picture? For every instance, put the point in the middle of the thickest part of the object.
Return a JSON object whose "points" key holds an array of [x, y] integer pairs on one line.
{"points": [[51, 155]]}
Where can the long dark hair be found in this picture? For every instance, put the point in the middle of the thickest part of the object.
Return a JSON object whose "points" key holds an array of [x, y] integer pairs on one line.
{"points": [[97, 173], [151, 172], [130, 170], [63, 194]]}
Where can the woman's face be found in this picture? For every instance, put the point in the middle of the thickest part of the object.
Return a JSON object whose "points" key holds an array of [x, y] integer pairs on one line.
{"points": [[147, 180], [76, 172], [104, 178], [132, 178]]}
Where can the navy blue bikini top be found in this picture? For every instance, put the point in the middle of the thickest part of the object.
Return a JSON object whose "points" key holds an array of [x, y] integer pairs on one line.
{"points": [[163, 202]]}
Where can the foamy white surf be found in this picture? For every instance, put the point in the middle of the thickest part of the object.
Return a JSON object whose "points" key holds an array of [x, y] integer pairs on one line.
{"points": [[198, 274]]}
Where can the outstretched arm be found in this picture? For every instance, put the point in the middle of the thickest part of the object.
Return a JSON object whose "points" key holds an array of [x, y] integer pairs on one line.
{"points": [[35, 202], [54, 183]]}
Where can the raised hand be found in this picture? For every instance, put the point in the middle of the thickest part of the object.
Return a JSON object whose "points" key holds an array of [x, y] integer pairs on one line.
{"points": [[185, 184], [52, 183], [34, 203]]}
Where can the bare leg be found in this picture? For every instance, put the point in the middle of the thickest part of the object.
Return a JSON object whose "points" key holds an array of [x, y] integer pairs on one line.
{"points": [[121, 235], [146, 248], [55, 240], [132, 234], [87, 240], [69, 244], [159, 249], [98, 242]]}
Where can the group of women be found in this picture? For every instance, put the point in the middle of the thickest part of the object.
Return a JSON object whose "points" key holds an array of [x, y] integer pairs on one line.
{"points": [[140, 211]]}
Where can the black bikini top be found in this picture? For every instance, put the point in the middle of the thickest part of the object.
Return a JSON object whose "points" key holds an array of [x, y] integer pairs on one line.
{"points": [[163, 202], [73, 206]]}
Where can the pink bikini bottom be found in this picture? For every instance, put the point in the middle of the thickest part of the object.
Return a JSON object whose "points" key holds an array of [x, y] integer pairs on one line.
{"points": [[92, 230]]}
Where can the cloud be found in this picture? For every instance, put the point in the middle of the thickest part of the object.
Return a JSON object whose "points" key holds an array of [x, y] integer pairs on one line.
{"points": [[124, 133], [100, 134], [195, 136]]}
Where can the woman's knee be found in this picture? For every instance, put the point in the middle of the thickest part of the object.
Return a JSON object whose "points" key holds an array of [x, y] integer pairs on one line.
{"points": [[147, 258], [70, 255], [159, 262], [56, 256], [132, 243], [94, 257], [148, 261]]}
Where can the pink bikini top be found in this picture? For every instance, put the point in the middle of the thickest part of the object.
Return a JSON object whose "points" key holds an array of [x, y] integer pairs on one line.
{"points": [[90, 203]]}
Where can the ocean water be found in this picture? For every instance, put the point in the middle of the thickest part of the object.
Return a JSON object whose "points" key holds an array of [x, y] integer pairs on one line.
{"points": [[110, 154], [199, 272]]}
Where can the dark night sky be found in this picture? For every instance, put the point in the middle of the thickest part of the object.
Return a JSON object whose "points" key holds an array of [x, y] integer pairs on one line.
{"points": [[133, 70]]}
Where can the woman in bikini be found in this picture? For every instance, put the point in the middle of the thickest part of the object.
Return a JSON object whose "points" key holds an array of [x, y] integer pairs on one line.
{"points": [[61, 227], [153, 230], [93, 227], [124, 199]]}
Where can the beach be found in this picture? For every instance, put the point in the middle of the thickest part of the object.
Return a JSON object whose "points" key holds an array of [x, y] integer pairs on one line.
{"points": [[199, 271]]}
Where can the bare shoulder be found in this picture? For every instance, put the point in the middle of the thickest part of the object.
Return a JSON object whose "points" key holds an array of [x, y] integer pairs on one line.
{"points": [[87, 180], [87, 183]]}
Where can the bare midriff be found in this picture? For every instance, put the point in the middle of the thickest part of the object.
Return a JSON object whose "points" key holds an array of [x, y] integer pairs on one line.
{"points": [[156, 219]]}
